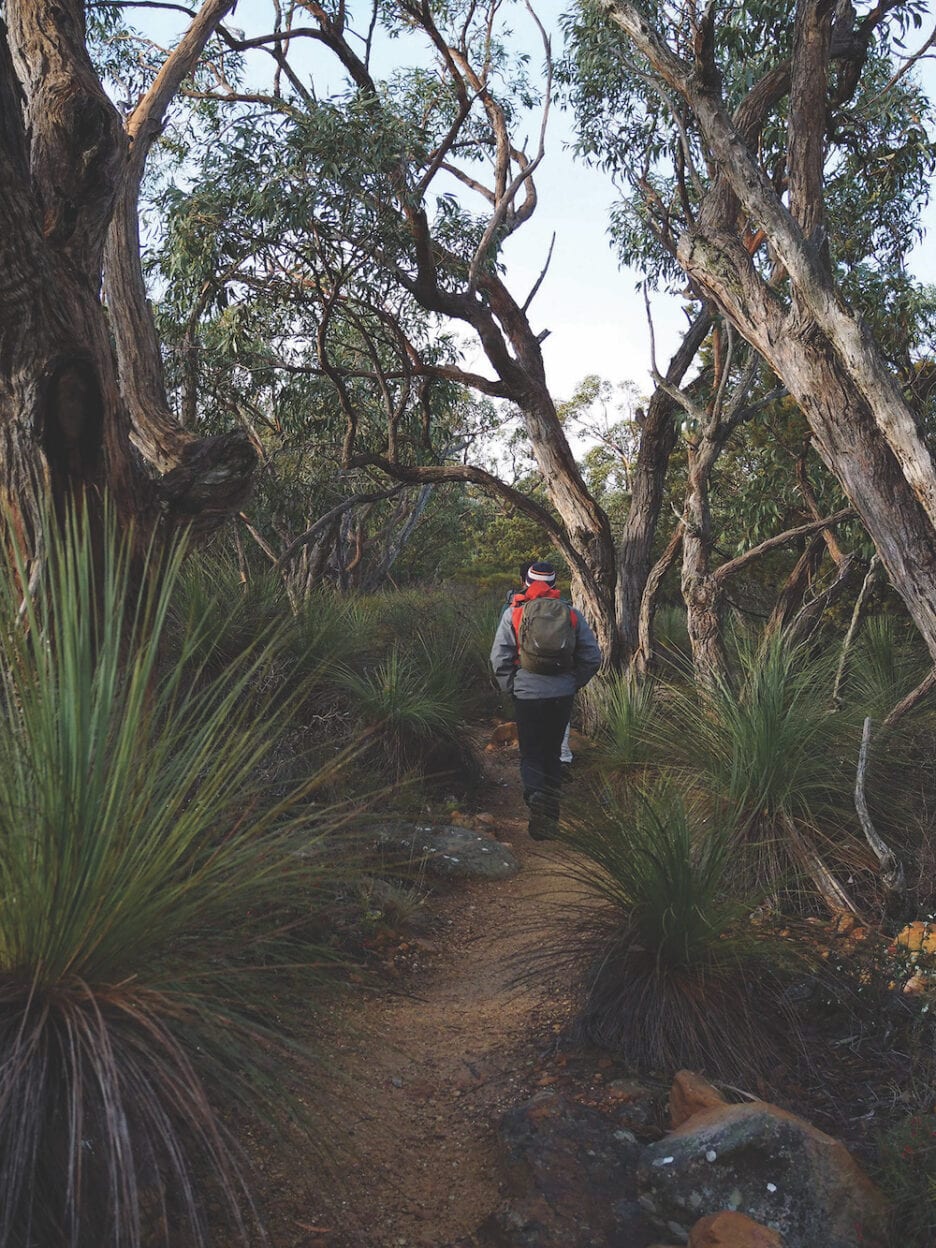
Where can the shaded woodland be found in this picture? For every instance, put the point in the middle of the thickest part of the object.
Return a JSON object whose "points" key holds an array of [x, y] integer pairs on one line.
{"points": [[277, 431]]}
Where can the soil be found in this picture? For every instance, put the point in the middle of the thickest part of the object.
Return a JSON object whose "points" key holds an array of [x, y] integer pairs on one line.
{"points": [[435, 1064], [452, 1042]]}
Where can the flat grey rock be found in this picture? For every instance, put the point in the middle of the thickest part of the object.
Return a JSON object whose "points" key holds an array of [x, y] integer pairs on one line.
{"points": [[451, 853]]}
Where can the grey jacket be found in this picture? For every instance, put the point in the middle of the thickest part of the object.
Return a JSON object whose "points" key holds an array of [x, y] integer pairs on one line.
{"points": [[513, 679]]}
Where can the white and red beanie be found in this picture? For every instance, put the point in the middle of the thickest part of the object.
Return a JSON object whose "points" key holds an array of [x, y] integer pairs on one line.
{"points": [[544, 573]]}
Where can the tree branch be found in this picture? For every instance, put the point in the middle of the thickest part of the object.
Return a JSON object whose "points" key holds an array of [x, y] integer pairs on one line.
{"points": [[772, 543]]}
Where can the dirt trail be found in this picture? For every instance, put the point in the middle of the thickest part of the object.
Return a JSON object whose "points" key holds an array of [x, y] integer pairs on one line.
{"points": [[434, 1071]]}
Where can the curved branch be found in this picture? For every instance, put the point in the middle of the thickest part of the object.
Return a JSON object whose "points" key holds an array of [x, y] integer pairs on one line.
{"points": [[439, 474], [325, 522], [892, 872], [772, 543]]}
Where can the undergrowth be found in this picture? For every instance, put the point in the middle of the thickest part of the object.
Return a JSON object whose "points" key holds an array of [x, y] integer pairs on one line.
{"points": [[156, 898]]}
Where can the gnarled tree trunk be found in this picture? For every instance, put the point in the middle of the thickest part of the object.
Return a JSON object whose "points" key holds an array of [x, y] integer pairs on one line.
{"points": [[65, 419], [862, 427]]}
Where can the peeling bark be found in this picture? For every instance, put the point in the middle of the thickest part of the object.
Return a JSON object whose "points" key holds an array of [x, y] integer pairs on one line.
{"points": [[863, 428]]}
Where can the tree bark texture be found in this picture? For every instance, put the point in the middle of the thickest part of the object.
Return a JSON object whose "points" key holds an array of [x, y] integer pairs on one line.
{"points": [[657, 439], [700, 590], [863, 428], [65, 423]]}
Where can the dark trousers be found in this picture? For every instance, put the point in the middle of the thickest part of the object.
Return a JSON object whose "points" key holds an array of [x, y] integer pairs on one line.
{"points": [[540, 725]]}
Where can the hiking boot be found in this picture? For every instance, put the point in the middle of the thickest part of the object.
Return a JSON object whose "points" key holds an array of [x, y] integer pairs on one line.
{"points": [[544, 817]]}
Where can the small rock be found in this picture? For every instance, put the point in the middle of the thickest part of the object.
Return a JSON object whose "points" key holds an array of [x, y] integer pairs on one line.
{"points": [[504, 734], [732, 1230], [450, 852], [690, 1094]]}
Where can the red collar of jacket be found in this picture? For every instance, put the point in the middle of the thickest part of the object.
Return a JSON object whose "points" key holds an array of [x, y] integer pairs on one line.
{"points": [[536, 589]]}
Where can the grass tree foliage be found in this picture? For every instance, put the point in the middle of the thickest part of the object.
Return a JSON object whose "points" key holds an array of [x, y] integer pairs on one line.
{"points": [[400, 673], [153, 898], [720, 817], [671, 971]]}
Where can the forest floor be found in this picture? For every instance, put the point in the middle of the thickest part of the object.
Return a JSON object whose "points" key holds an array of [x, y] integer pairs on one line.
{"points": [[433, 1056], [433, 1065]]}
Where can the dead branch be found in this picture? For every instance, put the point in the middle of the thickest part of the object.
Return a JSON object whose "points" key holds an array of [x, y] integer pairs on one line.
{"points": [[913, 698], [781, 539], [892, 872], [323, 522], [643, 655], [828, 887], [861, 603]]}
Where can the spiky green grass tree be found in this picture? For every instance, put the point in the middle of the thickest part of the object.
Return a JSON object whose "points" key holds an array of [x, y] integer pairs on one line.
{"points": [[670, 969], [151, 892], [770, 749]]}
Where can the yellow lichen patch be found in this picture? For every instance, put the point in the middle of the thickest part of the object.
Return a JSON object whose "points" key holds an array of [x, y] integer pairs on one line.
{"points": [[918, 937]]}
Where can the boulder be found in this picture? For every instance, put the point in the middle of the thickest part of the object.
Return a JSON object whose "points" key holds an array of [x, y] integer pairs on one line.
{"points": [[450, 852], [569, 1173], [689, 1095], [775, 1167], [732, 1230]]}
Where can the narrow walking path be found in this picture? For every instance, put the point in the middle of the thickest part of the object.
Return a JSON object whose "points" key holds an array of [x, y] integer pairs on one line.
{"points": [[433, 1072]]}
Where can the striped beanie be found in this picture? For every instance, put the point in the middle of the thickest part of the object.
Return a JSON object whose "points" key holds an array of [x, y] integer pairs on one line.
{"points": [[544, 572]]}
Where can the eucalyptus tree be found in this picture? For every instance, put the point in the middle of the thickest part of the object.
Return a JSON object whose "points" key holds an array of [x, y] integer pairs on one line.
{"points": [[362, 209], [773, 151], [81, 400]]}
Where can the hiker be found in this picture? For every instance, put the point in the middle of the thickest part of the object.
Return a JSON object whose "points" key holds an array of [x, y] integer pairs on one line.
{"points": [[566, 757], [543, 652]]}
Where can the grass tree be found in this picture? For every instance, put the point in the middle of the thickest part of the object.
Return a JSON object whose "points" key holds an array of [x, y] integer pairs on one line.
{"points": [[671, 971], [156, 899], [769, 748]]}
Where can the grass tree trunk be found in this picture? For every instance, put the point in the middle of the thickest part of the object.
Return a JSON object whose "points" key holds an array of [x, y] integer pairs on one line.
{"points": [[64, 411]]}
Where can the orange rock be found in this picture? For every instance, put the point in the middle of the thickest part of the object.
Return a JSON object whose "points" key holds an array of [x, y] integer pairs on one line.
{"points": [[917, 984], [732, 1230], [504, 734], [918, 937], [485, 820], [845, 923], [689, 1095]]}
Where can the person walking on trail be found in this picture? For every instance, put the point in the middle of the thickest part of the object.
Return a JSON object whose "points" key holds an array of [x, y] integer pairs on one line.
{"points": [[543, 652], [565, 750]]}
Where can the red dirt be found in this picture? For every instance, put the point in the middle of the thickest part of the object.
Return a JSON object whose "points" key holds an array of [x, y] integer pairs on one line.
{"points": [[432, 1071]]}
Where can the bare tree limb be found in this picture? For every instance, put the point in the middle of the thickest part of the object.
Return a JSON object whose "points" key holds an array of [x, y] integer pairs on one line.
{"points": [[772, 543], [642, 659], [829, 888], [892, 872], [329, 518], [907, 704], [855, 623]]}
